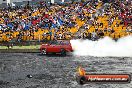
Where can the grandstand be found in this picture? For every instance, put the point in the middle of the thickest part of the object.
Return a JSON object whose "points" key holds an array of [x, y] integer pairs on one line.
{"points": [[88, 20]]}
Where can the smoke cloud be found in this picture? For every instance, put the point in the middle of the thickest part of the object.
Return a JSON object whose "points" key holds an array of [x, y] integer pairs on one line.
{"points": [[103, 47]]}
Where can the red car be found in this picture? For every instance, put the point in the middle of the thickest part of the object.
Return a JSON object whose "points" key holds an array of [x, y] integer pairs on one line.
{"points": [[56, 47]]}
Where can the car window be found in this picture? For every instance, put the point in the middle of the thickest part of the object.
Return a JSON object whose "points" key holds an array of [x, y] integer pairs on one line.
{"points": [[59, 42], [54, 43], [64, 43]]}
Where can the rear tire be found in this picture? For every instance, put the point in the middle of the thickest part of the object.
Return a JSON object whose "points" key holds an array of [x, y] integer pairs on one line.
{"points": [[63, 52], [43, 52]]}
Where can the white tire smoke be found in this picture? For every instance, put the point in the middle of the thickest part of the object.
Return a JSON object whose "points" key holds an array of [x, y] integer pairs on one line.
{"points": [[103, 47]]}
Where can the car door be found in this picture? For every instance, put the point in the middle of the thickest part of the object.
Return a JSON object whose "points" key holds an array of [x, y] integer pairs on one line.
{"points": [[53, 47], [56, 47]]}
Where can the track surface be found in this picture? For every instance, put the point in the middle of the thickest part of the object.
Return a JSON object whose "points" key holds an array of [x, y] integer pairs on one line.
{"points": [[56, 71]]}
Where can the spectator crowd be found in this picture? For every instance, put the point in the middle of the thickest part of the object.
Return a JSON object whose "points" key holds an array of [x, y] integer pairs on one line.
{"points": [[88, 20]]}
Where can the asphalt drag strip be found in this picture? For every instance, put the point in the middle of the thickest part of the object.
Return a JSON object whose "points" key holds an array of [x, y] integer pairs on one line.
{"points": [[32, 70]]}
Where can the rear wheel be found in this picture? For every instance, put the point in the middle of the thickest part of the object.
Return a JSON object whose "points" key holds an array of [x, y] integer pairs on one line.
{"points": [[63, 52], [43, 52]]}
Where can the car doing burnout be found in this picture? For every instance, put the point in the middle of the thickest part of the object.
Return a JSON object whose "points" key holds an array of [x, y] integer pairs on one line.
{"points": [[61, 47]]}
